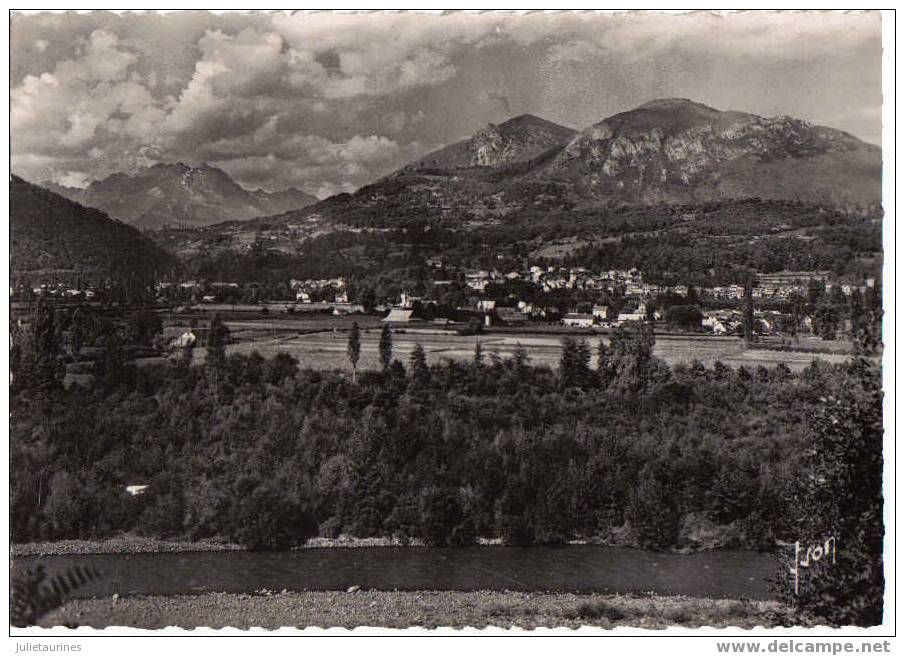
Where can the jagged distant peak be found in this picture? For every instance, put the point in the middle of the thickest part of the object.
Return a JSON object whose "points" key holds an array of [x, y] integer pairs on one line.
{"points": [[176, 193]]}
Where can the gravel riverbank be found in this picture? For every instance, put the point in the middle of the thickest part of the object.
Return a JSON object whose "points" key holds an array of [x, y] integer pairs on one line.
{"points": [[429, 609], [698, 533], [128, 544], [118, 545]]}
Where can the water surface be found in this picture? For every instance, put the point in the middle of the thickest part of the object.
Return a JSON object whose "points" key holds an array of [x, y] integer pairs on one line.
{"points": [[725, 573]]}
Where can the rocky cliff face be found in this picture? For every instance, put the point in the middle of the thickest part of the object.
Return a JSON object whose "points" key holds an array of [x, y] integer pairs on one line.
{"points": [[518, 140], [671, 150], [488, 148], [680, 150]]}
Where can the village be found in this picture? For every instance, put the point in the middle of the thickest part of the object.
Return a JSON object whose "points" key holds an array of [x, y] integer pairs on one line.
{"points": [[539, 296], [576, 298]]}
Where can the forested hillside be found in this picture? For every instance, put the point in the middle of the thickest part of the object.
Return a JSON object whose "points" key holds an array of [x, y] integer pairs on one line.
{"points": [[719, 244], [262, 453], [55, 239]]}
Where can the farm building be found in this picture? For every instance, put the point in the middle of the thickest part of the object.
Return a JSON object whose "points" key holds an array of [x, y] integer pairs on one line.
{"points": [[576, 320], [630, 316], [792, 278], [510, 316]]}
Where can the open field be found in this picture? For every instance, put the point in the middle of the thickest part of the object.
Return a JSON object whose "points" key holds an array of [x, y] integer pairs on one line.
{"points": [[327, 349], [426, 609]]}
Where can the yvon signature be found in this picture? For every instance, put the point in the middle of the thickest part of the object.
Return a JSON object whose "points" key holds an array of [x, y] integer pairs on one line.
{"points": [[811, 555]]}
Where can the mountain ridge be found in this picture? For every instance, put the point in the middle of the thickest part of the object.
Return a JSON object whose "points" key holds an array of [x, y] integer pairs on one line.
{"points": [[677, 149], [666, 150], [178, 194]]}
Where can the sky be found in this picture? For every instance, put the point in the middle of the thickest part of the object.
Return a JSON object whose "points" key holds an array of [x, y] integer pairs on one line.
{"points": [[327, 102]]}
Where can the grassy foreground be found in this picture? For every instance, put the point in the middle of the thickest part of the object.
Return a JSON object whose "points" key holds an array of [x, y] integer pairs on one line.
{"points": [[425, 609]]}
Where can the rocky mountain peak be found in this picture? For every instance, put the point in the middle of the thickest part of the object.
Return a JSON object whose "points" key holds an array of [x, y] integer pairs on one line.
{"points": [[179, 194], [675, 148], [667, 150], [518, 139]]}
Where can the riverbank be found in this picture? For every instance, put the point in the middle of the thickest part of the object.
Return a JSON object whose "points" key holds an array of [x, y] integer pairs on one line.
{"points": [[131, 544], [428, 609], [697, 533], [125, 544]]}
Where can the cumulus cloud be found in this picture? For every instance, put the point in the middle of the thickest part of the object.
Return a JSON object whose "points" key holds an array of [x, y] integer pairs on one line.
{"points": [[329, 101], [231, 71], [736, 34], [245, 107], [380, 52], [92, 97]]}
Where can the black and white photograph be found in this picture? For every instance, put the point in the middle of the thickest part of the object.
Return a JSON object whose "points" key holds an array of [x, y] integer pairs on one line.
{"points": [[451, 321]]}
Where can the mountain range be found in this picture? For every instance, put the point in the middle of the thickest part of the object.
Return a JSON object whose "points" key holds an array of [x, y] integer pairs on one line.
{"points": [[179, 195], [670, 150]]}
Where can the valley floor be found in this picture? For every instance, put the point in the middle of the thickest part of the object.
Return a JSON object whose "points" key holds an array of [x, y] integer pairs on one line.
{"points": [[428, 609]]}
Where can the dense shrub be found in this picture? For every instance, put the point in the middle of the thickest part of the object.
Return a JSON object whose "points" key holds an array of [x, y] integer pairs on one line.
{"points": [[839, 494]]}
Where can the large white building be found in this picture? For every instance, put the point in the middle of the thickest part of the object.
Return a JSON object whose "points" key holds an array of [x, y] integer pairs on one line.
{"points": [[578, 320]]}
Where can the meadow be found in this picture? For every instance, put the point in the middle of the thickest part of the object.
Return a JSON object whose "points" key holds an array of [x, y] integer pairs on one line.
{"points": [[327, 349]]}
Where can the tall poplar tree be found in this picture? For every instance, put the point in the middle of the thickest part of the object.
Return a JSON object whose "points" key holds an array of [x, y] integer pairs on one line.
{"points": [[354, 349], [385, 346]]}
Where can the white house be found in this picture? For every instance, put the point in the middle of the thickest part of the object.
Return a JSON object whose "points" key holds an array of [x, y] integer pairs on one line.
{"points": [[477, 280], [407, 300], [715, 324], [576, 320], [637, 315]]}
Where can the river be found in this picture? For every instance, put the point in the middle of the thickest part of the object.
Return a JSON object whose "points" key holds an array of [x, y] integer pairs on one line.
{"points": [[715, 574]]}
